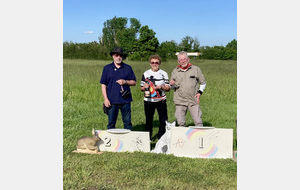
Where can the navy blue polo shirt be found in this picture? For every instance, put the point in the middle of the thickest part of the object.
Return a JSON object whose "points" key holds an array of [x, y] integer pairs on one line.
{"points": [[110, 75]]}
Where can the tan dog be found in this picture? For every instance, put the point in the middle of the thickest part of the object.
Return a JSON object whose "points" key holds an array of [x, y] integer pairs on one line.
{"points": [[88, 144]]}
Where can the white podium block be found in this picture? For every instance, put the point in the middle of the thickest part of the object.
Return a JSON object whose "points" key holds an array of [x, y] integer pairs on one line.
{"points": [[122, 142], [201, 142]]}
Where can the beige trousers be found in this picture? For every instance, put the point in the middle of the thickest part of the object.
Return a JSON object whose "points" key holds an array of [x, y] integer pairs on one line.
{"points": [[195, 112]]}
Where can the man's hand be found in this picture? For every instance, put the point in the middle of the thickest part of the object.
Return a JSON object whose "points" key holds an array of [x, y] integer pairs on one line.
{"points": [[107, 103], [198, 97], [121, 82], [172, 82]]}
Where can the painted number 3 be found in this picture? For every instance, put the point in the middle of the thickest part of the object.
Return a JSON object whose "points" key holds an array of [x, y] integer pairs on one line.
{"points": [[107, 142]]}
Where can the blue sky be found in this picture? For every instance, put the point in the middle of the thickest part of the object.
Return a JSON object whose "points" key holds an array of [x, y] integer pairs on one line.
{"points": [[213, 22]]}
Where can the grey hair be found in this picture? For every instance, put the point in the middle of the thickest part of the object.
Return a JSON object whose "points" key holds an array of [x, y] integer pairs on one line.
{"points": [[182, 53]]}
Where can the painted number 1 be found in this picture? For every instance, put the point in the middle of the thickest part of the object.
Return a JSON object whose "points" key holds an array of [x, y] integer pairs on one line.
{"points": [[200, 142]]}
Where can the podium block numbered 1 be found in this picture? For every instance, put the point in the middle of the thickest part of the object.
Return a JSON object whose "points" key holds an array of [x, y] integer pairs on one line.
{"points": [[205, 142], [122, 142]]}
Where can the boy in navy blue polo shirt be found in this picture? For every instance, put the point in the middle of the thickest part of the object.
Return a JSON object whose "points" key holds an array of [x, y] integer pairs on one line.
{"points": [[116, 79]]}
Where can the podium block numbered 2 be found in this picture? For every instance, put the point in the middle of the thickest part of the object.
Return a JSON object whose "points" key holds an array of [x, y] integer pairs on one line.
{"points": [[122, 142]]}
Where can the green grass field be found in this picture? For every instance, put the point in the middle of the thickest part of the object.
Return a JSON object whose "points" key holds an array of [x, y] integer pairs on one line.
{"points": [[82, 111]]}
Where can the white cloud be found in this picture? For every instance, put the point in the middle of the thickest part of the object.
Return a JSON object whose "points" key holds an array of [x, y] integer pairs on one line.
{"points": [[88, 32]]}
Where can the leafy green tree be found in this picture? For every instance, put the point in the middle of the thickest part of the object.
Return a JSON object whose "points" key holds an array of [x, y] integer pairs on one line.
{"points": [[232, 45], [167, 50], [146, 45], [196, 45], [116, 33], [91, 50], [218, 53], [231, 50], [186, 44], [189, 44], [140, 42], [128, 37], [215, 52], [112, 31], [230, 54], [69, 50]]}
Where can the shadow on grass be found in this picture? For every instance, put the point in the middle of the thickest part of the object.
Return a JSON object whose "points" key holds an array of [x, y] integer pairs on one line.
{"points": [[205, 124]]}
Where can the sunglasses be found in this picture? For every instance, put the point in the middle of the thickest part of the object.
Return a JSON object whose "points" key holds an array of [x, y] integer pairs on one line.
{"points": [[154, 63], [117, 55]]}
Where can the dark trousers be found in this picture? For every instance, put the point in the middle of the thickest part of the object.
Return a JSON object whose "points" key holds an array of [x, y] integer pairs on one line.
{"points": [[162, 111], [113, 112]]}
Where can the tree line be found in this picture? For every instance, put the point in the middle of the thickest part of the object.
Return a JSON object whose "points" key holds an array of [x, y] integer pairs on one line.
{"points": [[140, 42]]}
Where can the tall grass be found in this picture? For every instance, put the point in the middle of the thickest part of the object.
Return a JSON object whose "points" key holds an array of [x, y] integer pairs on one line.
{"points": [[82, 99]]}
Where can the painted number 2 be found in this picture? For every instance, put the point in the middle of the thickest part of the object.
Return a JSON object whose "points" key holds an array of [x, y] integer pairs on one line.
{"points": [[107, 142]]}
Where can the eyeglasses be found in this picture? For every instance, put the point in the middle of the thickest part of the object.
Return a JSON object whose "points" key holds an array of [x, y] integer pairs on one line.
{"points": [[182, 60], [154, 63], [117, 55]]}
